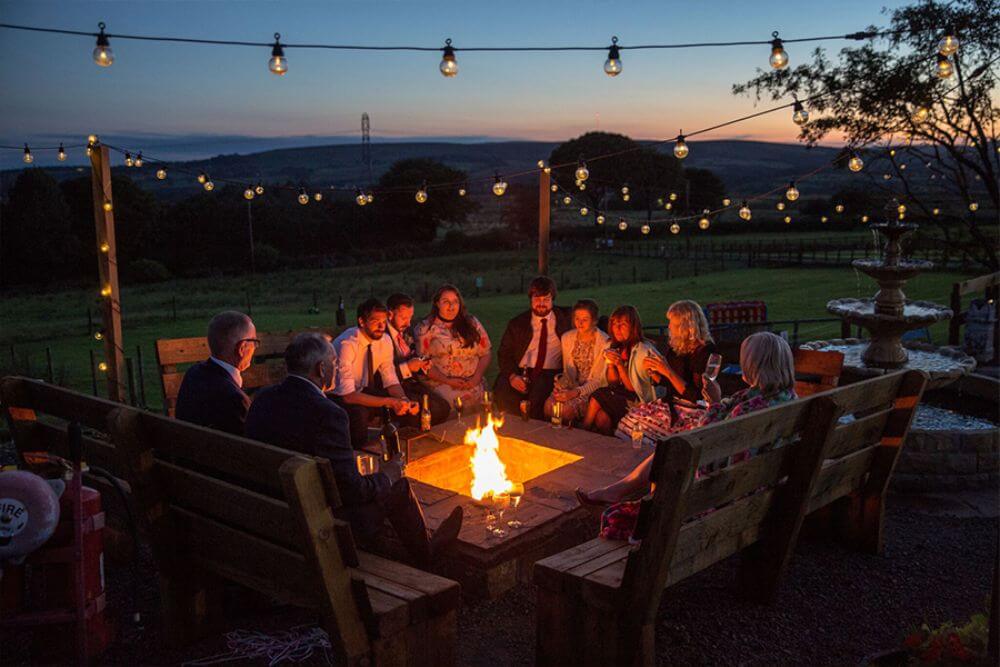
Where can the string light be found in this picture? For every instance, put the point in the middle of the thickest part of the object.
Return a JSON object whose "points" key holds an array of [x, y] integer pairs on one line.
{"points": [[973, 206], [823, 219], [103, 367], [624, 190], [626, 197], [461, 192], [584, 210], [567, 200], [61, 155], [28, 157], [675, 228], [600, 219], [107, 205], [138, 159], [680, 147], [99, 334], [864, 218], [920, 114], [202, 177], [278, 64], [745, 212], [792, 193], [128, 159], [726, 201], [105, 247], [704, 222], [613, 65], [582, 173], [500, 185], [839, 208], [303, 197], [799, 113], [901, 208], [103, 55], [936, 211], [944, 67], [582, 186], [209, 186], [421, 195], [948, 45], [668, 206], [360, 197], [788, 219], [259, 189], [106, 291], [622, 224], [161, 174], [886, 176], [644, 229], [318, 196], [248, 194], [779, 58], [673, 196], [448, 66], [780, 206], [554, 187], [855, 164]]}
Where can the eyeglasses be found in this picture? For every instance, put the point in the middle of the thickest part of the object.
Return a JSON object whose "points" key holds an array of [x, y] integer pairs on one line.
{"points": [[255, 341]]}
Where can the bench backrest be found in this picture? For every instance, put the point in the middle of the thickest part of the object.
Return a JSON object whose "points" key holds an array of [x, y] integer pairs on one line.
{"points": [[812, 451], [989, 285], [174, 355], [816, 371]]}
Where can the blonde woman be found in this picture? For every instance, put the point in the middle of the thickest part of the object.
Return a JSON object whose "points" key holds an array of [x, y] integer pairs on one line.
{"points": [[690, 346], [584, 365]]}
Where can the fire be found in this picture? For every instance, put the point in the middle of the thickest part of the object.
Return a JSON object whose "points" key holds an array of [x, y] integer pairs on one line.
{"points": [[489, 474]]}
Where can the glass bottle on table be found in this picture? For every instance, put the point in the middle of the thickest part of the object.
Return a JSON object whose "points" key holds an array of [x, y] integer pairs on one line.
{"points": [[425, 414], [390, 435]]}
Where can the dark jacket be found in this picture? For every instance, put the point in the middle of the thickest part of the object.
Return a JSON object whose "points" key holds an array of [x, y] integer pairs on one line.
{"points": [[517, 338], [209, 397], [294, 415]]}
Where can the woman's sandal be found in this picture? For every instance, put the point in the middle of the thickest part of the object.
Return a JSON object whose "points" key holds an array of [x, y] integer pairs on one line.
{"points": [[586, 500]]}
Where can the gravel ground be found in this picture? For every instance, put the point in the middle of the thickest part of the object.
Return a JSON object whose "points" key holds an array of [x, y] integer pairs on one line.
{"points": [[835, 606]]}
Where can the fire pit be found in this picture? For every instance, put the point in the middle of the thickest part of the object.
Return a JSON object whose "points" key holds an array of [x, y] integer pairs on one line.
{"points": [[456, 466]]}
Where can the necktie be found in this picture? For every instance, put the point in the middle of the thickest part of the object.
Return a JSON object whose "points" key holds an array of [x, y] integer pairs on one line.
{"points": [[371, 367], [543, 343], [404, 349]]}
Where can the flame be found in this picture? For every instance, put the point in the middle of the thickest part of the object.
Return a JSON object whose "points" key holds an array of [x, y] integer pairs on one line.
{"points": [[489, 474]]}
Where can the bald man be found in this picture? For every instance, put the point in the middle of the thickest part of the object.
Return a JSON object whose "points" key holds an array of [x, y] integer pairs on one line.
{"points": [[211, 393]]}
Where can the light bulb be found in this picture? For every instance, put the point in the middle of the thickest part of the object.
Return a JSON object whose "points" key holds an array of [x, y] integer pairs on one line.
{"points": [[902, 216], [680, 148], [303, 197], [202, 177], [105, 247], [103, 367], [138, 159], [613, 65], [317, 196], [98, 335], [448, 66], [584, 210], [855, 163], [91, 139], [779, 58], [920, 114], [624, 189], [645, 229], [161, 174], [461, 192], [944, 67], [788, 219], [370, 196], [626, 197], [673, 196], [727, 201], [567, 200], [554, 188], [259, 190], [360, 197], [128, 159], [209, 186], [745, 212], [704, 223], [278, 64], [973, 206], [823, 218], [421, 195], [107, 205], [61, 155], [28, 157], [106, 291], [622, 225], [799, 114], [248, 194], [886, 176], [839, 208], [792, 193], [600, 219], [892, 152], [500, 186], [901, 208], [103, 55], [902, 167], [582, 186], [936, 211], [668, 206], [675, 228], [780, 206], [582, 173], [948, 45], [864, 218], [541, 164]]}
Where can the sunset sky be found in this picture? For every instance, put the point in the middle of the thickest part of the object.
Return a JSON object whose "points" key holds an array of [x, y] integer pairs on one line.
{"points": [[53, 89]]}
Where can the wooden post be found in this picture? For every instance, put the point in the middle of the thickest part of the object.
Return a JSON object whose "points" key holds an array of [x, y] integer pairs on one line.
{"points": [[107, 267], [544, 214]]}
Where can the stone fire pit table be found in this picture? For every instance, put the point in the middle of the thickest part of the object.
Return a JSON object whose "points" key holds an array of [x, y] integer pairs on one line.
{"points": [[550, 462]]}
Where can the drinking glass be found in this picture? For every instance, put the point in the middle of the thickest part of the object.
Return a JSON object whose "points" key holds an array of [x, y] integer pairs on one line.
{"points": [[487, 401], [516, 494], [458, 408], [501, 502], [713, 366], [525, 410], [637, 437], [557, 415], [366, 464]]}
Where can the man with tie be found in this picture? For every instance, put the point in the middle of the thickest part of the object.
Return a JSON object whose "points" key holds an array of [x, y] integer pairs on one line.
{"points": [[409, 366], [211, 392], [530, 351], [362, 352]]}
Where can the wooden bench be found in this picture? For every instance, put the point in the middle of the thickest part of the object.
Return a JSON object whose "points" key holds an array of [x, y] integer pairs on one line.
{"points": [[816, 371], [216, 507], [597, 602], [174, 355]]}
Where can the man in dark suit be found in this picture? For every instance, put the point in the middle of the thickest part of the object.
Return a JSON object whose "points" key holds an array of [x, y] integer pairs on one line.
{"points": [[531, 352], [408, 363], [297, 415], [211, 392]]}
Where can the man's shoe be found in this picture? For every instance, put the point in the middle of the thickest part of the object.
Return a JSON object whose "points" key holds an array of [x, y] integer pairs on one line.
{"points": [[447, 532]]}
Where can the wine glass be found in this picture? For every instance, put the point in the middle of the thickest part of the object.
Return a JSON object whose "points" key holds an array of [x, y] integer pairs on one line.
{"points": [[501, 501], [458, 408], [557, 415], [516, 494], [487, 401], [637, 434], [713, 365]]}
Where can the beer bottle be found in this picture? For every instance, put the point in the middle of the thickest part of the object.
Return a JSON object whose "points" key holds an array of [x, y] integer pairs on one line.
{"points": [[425, 414], [390, 435]]}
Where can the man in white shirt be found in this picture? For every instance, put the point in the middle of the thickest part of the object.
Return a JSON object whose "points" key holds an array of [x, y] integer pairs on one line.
{"points": [[362, 353], [410, 367]]}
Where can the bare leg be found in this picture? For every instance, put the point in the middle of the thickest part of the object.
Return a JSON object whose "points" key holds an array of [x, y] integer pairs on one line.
{"points": [[602, 422], [593, 407], [632, 484], [548, 406]]}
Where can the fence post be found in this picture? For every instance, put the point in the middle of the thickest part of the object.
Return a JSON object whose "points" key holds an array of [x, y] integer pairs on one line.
{"points": [[48, 364], [130, 374]]}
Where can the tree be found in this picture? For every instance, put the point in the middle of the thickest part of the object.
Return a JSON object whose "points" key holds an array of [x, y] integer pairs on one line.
{"points": [[607, 176], [654, 174], [400, 218], [874, 94], [707, 189]]}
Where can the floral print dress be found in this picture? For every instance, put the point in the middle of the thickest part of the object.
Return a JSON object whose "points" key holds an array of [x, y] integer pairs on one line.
{"points": [[450, 358]]}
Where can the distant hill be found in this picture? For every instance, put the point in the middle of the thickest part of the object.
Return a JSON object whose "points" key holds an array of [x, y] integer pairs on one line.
{"points": [[746, 167]]}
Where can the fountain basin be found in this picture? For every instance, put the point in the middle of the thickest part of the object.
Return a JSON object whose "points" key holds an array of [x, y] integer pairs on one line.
{"points": [[903, 270], [943, 365], [916, 314]]}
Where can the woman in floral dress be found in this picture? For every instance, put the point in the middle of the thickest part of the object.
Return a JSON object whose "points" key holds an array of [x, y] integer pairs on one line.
{"points": [[583, 363], [457, 346]]}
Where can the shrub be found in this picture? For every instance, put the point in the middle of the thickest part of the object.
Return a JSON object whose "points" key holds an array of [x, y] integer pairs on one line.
{"points": [[147, 271]]}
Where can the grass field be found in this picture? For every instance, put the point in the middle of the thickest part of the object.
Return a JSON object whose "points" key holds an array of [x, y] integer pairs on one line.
{"points": [[282, 301]]}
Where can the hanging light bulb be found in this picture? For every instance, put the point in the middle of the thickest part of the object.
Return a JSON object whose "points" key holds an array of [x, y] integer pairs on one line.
{"points": [[704, 222], [779, 58], [792, 193], [567, 200], [745, 212], [370, 196], [554, 187], [421, 195], [360, 197], [209, 186], [625, 190], [303, 197], [106, 291], [278, 64], [680, 147], [202, 177], [461, 192], [944, 67], [839, 208], [901, 208], [584, 210], [886, 176], [448, 66], [936, 211], [499, 185], [948, 44], [626, 197], [622, 225], [726, 201], [103, 367], [582, 186], [28, 157], [780, 206], [668, 206], [823, 218], [318, 196], [161, 174], [582, 173], [138, 159], [248, 194], [600, 219], [259, 189], [128, 159], [973, 206], [799, 114], [61, 155], [788, 219], [613, 65], [673, 196], [855, 163], [103, 55], [105, 247], [864, 218], [644, 229], [675, 228], [920, 114], [99, 334], [107, 205], [541, 164]]}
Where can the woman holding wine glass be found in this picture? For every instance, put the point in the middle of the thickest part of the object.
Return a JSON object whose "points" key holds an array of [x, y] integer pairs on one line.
{"points": [[690, 347]]}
